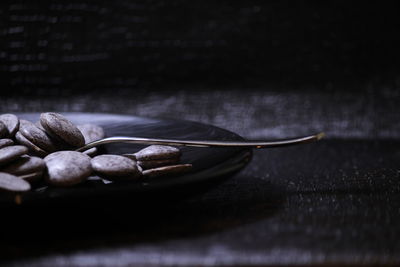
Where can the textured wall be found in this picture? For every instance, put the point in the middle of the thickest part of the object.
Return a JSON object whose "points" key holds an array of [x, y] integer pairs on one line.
{"points": [[86, 45], [290, 67], [250, 112]]}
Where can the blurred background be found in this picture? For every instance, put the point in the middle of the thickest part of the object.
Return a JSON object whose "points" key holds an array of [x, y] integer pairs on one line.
{"points": [[264, 69]]}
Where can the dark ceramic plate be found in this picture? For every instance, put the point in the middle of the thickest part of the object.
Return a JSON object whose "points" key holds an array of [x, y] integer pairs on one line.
{"points": [[208, 163]]}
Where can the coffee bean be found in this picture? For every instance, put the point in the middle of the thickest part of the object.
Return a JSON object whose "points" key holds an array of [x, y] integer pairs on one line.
{"points": [[6, 142], [32, 177], [11, 122], [12, 183], [57, 125], [66, 168], [25, 165], [37, 136], [33, 149], [156, 152], [115, 167], [3, 130], [11, 153], [39, 125], [167, 170], [149, 164], [61, 145], [131, 156]]}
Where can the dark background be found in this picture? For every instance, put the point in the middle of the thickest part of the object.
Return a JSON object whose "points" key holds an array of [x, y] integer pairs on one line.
{"points": [[94, 45], [264, 69], [253, 67]]}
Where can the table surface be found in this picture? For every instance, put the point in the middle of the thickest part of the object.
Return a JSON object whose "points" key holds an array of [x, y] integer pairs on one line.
{"points": [[332, 202]]}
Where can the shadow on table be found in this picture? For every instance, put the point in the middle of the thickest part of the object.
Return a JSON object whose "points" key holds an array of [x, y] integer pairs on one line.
{"points": [[111, 222]]}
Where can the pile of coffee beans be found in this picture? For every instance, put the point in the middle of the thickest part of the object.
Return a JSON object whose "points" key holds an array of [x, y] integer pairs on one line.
{"points": [[43, 153]]}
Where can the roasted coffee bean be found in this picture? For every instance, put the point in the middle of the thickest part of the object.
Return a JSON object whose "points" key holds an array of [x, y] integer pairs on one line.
{"points": [[37, 136], [32, 177], [33, 149], [6, 142], [156, 152], [12, 183], [39, 125], [57, 125], [10, 153], [3, 130], [115, 167], [25, 165], [167, 170], [66, 168], [131, 156], [149, 164], [11, 122]]}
